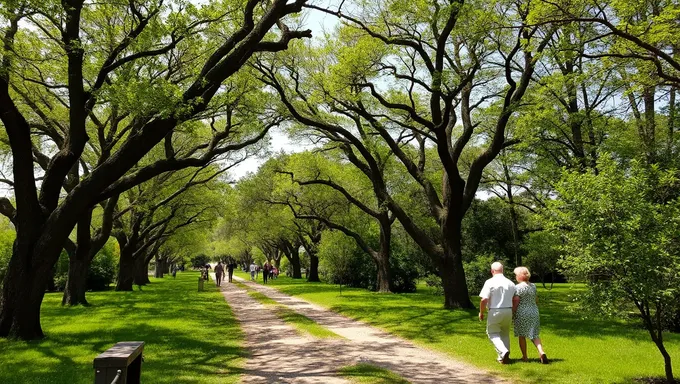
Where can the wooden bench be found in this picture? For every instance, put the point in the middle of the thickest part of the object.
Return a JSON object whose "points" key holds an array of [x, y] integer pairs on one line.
{"points": [[122, 362]]}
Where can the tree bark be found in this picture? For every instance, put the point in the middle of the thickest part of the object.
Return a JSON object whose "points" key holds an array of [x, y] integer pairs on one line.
{"points": [[160, 267], [126, 269], [451, 267], [141, 271], [76, 284], [313, 268], [22, 294], [79, 265], [382, 259], [295, 263]]}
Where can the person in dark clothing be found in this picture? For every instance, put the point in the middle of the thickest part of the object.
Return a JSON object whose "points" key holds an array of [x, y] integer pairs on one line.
{"points": [[219, 272], [230, 270], [265, 272]]}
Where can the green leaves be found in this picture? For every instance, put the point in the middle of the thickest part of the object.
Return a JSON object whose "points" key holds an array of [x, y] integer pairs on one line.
{"points": [[620, 231]]}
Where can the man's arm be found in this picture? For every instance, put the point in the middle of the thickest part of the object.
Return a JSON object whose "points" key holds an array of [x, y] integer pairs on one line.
{"points": [[482, 308]]}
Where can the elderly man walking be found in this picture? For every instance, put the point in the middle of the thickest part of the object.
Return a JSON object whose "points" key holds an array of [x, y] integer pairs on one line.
{"points": [[497, 295]]}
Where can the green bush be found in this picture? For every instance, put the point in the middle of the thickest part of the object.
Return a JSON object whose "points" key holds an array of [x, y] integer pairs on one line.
{"points": [[199, 261], [342, 262], [477, 272], [102, 269]]}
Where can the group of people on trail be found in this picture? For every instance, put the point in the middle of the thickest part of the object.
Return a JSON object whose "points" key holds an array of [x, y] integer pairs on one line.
{"points": [[507, 304], [219, 272], [269, 272]]}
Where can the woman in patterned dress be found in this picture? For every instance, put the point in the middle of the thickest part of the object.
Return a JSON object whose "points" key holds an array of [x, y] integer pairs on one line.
{"points": [[525, 314]]}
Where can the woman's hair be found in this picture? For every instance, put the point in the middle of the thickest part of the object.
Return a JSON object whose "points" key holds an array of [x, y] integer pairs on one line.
{"points": [[523, 271]]}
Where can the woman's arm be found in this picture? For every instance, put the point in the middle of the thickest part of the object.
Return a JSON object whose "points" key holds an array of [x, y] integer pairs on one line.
{"points": [[515, 303]]}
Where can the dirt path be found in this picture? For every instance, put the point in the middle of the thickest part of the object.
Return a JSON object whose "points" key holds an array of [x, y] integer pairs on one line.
{"points": [[279, 354]]}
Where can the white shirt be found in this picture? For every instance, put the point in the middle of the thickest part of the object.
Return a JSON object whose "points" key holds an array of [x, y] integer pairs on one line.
{"points": [[252, 267], [499, 290]]}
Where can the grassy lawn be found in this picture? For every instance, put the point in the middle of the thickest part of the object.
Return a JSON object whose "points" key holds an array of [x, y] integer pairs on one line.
{"points": [[301, 322], [190, 337], [370, 374], [582, 350]]}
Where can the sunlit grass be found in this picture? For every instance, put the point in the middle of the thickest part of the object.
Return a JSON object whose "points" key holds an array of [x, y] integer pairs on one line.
{"points": [[190, 336], [592, 350], [370, 374]]}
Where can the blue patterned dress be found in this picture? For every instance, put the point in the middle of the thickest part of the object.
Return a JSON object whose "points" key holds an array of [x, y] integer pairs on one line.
{"points": [[527, 322]]}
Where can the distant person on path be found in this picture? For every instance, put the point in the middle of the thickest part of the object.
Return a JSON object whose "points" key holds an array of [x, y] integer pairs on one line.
{"points": [[272, 268], [219, 272], [257, 272], [174, 271], [497, 294], [253, 269], [525, 314], [265, 273], [230, 270]]}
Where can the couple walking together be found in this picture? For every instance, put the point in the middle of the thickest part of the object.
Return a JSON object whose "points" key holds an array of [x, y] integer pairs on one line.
{"points": [[219, 272], [509, 303]]}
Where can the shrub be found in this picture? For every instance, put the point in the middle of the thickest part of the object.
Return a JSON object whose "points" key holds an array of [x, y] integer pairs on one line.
{"points": [[342, 262], [103, 268], [435, 282], [477, 272], [199, 261]]}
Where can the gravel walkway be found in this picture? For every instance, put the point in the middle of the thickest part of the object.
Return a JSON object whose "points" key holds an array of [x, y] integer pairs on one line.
{"points": [[279, 354]]}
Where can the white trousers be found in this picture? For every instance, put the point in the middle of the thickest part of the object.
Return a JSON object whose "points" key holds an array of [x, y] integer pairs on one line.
{"points": [[498, 324]]}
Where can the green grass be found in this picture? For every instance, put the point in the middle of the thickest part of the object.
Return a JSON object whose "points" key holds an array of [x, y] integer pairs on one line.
{"points": [[370, 374], [301, 322], [582, 350], [304, 323], [190, 337]]}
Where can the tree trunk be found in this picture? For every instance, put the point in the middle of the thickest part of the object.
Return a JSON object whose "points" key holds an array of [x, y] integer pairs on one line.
{"points": [[160, 267], [166, 265], [126, 269], [76, 285], [451, 267], [22, 294], [141, 272], [313, 268], [384, 279], [79, 265], [295, 263], [382, 259]]}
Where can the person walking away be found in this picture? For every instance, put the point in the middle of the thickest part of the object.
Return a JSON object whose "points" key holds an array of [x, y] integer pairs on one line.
{"points": [[271, 271], [219, 272], [265, 273], [230, 270], [253, 268], [496, 295], [525, 314], [174, 271]]}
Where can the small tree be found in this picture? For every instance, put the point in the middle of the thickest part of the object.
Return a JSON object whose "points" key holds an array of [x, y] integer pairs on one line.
{"points": [[623, 227]]}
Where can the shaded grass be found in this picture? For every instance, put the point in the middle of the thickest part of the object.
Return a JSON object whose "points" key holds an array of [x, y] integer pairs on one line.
{"points": [[370, 374], [301, 322], [190, 336], [582, 350]]}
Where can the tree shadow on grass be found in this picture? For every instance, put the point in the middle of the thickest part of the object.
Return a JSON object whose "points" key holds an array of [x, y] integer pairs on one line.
{"points": [[428, 320], [189, 337], [170, 356]]}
